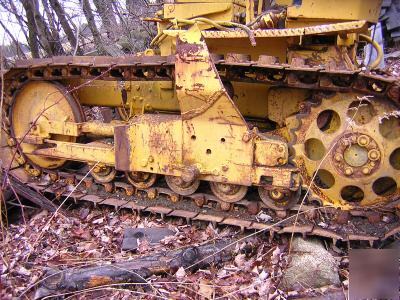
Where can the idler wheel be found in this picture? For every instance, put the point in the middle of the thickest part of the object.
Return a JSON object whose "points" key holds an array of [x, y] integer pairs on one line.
{"points": [[278, 199], [42, 100], [229, 193], [181, 187], [141, 180]]}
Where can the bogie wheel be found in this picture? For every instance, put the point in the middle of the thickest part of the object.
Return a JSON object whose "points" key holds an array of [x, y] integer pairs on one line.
{"points": [[229, 193], [279, 199], [181, 187], [47, 100], [103, 174], [141, 180]]}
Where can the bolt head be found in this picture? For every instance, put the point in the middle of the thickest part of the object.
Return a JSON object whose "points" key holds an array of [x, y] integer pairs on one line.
{"points": [[366, 170], [338, 157], [348, 171], [225, 206], [174, 198], [363, 140], [373, 154]]}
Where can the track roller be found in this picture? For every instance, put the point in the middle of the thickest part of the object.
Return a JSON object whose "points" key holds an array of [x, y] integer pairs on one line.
{"points": [[103, 174], [278, 199], [181, 187], [141, 180], [229, 193]]}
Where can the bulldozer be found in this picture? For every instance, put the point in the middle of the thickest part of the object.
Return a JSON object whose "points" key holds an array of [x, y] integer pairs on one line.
{"points": [[241, 102]]}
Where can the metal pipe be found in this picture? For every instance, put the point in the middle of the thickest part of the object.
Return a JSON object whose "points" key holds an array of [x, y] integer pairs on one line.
{"points": [[379, 51]]}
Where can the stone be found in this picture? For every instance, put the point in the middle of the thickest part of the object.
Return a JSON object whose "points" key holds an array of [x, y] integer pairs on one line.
{"points": [[310, 266], [152, 235]]}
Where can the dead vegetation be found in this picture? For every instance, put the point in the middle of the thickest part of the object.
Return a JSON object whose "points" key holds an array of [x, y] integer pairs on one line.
{"points": [[93, 236]]}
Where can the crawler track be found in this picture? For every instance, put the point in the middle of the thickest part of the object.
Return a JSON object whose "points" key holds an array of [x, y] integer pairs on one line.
{"points": [[203, 206], [360, 224]]}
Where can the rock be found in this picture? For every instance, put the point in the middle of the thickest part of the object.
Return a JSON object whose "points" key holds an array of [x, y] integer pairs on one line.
{"points": [[152, 235], [311, 266]]}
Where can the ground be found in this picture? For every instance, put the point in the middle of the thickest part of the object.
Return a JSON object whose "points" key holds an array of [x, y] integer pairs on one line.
{"points": [[90, 236]]}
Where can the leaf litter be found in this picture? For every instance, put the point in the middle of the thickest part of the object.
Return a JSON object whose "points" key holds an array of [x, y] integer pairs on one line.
{"points": [[93, 236]]}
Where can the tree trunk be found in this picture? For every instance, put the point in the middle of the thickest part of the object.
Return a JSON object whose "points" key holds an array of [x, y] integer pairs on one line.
{"points": [[32, 39], [106, 12], [17, 44], [61, 15], [135, 271], [54, 32], [44, 34], [87, 10], [19, 18], [26, 192]]}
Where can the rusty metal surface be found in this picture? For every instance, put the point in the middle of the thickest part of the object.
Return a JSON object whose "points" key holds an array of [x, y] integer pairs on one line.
{"points": [[238, 217], [265, 70], [161, 68], [352, 26]]}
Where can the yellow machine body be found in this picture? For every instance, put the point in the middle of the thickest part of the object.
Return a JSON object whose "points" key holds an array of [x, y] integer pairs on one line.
{"points": [[200, 126]]}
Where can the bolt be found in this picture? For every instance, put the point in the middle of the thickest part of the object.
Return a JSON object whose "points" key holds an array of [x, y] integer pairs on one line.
{"points": [[129, 191], [174, 198], [345, 142], [366, 170], [348, 171], [151, 194], [373, 154], [199, 201], [96, 169], [225, 206], [143, 162], [363, 140], [338, 157]]}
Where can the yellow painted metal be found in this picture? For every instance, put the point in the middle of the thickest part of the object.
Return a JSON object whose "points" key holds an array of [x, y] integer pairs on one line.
{"points": [[335, 10], [42, 100], [330, 56], [249, 11], [204, 101], [94, 152], [268, 153], [283, 102], [47, 128], [140, 97], [156, 144], [195, 126]]}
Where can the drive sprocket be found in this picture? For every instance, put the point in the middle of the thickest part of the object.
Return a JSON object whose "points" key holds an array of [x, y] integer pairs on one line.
{"points": [[347, 149]]}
